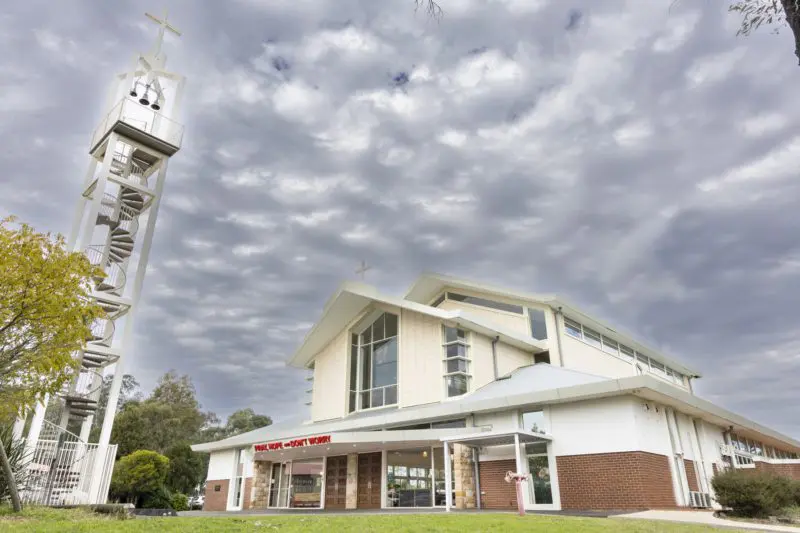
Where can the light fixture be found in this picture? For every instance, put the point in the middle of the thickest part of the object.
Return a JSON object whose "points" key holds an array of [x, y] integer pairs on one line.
{"points": [[425, 453]]}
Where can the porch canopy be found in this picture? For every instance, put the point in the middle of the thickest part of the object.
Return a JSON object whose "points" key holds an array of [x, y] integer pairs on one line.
{"points": [[347, 442], [487, 439]]}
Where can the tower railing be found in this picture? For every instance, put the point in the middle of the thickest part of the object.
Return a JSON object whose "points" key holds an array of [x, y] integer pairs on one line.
{"points": [[142, 118]]}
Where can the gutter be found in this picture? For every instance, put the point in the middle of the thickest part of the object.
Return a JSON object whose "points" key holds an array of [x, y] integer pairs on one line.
{"points": [[558, 335], [494, 357]]}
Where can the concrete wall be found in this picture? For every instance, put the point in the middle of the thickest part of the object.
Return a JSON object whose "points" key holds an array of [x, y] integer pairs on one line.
{"points": [[512, 321], [599, 426], [220, 464], [420, 367], [329, 399], [585, 358]]}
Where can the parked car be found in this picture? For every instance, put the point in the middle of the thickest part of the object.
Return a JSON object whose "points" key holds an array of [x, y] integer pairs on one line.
{"points": [[196, 502]]}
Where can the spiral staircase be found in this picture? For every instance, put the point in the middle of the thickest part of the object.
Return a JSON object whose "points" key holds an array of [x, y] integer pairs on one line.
{"points": [[119, 213]]}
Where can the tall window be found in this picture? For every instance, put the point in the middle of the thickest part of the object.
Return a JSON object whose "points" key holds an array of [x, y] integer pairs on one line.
{"points": [[456, 361], [538, 324], [373, 364]]}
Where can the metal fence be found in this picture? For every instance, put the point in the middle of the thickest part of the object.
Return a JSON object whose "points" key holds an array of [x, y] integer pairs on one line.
{"points": [[61, 467]]}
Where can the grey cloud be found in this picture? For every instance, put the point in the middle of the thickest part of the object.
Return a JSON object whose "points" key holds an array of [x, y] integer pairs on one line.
{"points": [[583, 175]]}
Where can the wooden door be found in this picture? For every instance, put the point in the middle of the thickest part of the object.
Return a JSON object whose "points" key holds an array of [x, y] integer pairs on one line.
{"points": [[336, 482], [369, 480]]}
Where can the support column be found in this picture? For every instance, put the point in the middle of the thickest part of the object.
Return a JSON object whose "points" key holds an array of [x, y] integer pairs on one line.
{"points": [[351, 490], [448, 477], [261, 474], [36, 426], [464, 470], [19, 427]]}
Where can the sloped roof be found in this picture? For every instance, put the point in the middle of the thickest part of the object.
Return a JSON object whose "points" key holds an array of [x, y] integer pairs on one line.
{"points": [[430, 284], [352, 298], [540, 384]]}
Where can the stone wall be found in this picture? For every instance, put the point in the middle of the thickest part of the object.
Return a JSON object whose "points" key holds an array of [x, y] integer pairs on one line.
{"points": [[262, 471], [464, 477], [615, 481], [351, 491]]}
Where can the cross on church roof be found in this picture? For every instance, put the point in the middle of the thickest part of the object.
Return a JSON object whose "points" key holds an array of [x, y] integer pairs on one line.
{"points": [[362, 269], [164, 26]]}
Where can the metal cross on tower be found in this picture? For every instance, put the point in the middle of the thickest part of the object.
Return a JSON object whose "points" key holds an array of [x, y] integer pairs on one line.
{"points": [[113, 224], [164, 25]]}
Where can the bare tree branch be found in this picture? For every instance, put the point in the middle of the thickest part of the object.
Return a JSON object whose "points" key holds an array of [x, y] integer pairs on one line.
{"points": [[431, 8]]}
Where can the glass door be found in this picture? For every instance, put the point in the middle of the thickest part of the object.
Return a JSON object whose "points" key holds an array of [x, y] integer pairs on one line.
{"points": [[439, 492], [280, 485], [541, 492]]}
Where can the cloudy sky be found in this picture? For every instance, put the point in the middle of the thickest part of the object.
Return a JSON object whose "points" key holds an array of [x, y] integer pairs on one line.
{"points": [[635, 157]]}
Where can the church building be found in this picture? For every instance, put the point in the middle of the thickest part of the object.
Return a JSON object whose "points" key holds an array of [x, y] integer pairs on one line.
{"points": [[432, 399]]}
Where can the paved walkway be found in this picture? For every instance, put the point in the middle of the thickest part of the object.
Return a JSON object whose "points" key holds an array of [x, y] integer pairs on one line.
{"points": [[708, 518]]}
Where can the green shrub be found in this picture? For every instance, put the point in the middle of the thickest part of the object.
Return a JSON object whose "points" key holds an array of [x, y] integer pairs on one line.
{"points": [[139, 477], [179, 502], [753, 494], [158, 499]]}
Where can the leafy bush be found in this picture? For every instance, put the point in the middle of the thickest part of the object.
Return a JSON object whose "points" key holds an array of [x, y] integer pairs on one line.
{"points": [[18, 457], [753, 494], [179, 502], [140, 476], [158, 499]]}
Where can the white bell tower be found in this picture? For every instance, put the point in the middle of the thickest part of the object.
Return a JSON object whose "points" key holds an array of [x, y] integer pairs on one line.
{"points": [[113, 224]]}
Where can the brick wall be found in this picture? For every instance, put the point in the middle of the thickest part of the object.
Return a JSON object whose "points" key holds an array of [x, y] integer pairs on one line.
{"points": [[615, 481], [495, 492], [216, 500], [787, 470], [691, 474]]}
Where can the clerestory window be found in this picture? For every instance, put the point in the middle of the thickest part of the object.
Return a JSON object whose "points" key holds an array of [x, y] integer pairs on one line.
{"points": [[373, 365], [456, 361]]}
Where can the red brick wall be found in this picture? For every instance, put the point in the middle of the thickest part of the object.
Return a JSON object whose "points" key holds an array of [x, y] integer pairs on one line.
{"points": [[495, 492], [787, 470], [216, 500], [691, 474], [615, 481]]}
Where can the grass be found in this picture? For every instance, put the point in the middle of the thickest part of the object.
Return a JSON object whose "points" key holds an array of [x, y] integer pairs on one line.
{"points": [[43, 520]]}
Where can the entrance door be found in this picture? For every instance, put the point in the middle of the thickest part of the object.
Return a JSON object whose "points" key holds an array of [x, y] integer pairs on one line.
{"points": [[336, 482], [279, 485], [369, 480]]}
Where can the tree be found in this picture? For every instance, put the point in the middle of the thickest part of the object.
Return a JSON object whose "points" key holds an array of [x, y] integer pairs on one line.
{"points": [[245, 420], [16, 460], [139, 475], [45, 316], [186, 469], [170, 416], [128, 392], [756, 13], [431, 7]]}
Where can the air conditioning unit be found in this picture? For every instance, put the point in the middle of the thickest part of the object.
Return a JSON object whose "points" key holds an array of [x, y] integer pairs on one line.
{"points": [[699, 499]]}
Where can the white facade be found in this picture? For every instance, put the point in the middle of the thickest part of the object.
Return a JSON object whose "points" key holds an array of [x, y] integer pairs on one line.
{"points": [[524, 381]]}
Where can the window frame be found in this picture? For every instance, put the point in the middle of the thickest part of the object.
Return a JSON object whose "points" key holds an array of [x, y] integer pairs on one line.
{"points": [[358, 333], [459, 341]]}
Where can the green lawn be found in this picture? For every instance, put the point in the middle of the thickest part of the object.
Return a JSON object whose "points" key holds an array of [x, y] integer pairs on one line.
{"points": [[51, 520]]}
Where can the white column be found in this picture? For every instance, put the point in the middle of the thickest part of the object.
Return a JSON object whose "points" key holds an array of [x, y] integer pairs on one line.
{"points": [[517, 453], [448, 477], [36, 425], [119, 367], [85, 236], [19, 427]]}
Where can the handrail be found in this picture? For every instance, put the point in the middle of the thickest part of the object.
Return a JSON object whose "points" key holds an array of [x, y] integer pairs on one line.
{"points": [[142, 118], [115, 276]]}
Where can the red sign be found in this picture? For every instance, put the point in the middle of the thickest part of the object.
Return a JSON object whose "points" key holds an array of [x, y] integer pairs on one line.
{"points": [[294, 443]]}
